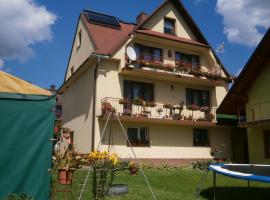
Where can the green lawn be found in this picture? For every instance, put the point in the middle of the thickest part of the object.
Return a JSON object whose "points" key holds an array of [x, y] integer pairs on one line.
{"points": [[175, 184]]}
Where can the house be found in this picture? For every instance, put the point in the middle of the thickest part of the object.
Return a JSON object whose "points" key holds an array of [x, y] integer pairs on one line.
{"points": [[249, 99], [166, 97]]}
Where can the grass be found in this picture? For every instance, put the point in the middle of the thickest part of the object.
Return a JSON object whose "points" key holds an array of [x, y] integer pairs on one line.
{"points": [[174, 185]]}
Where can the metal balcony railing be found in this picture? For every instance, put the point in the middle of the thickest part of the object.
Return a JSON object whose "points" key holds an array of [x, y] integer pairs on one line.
{"points": [[140, 108]]}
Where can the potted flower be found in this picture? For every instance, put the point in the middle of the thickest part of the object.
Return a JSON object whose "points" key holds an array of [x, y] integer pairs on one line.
{"points": [[193, 107], [138, 101], [106, 107], [133, 167], [169, 67], [168, 106], [204, 109], [124, 101], [150, 104], [159, 110], [66, 163]]}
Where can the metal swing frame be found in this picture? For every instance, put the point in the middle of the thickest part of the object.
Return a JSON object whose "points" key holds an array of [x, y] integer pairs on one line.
{"points": [[112, 113]]}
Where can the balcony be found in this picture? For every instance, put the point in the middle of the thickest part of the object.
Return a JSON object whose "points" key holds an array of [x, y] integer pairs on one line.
{"points": [[150, 112], [152, 64]]}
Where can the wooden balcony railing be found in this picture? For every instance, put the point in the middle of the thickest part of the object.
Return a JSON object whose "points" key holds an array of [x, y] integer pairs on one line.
{"points": [[140, 108], [254, 112], [155, 62]]}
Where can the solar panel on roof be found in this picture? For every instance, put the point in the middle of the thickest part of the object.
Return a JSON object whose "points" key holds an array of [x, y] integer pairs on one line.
{"points": [[103, 19]]}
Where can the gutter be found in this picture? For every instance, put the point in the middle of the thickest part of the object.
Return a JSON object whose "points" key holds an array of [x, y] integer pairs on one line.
{"points": [[99, 57]]}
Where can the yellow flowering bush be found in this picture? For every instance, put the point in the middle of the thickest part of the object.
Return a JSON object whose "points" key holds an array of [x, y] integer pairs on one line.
{"points": [[104, 165], [103, 157]]}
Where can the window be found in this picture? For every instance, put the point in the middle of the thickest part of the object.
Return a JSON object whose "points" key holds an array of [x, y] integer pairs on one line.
{"points": [[192, 60], [197, 97], [138, 136], [200, 138], [148, 53], [169, 26], [133, 90], [79, 40], [267, 144]]}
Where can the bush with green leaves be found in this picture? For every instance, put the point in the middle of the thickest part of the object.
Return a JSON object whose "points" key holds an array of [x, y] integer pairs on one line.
{"points": [[202, 165]]}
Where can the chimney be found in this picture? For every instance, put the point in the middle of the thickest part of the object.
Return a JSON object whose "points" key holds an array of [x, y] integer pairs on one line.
{"points": [[52, 88], [141, 17]]}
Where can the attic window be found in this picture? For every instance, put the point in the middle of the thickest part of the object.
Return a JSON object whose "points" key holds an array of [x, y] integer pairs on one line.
{"points": [[169, 26], [79, 39]]}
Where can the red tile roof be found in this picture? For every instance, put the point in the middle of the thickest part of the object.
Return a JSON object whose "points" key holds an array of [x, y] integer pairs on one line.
{"points": [[170, 37], [108, 39]]}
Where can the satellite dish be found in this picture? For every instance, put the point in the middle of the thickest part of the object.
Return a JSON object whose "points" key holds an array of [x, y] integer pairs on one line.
{"points": [[131, 54]]}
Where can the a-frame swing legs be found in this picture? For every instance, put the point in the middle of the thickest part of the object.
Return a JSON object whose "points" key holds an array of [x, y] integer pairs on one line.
{"points": [[133, 152]]}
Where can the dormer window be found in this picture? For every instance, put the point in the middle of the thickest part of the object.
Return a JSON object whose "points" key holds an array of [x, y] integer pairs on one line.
{"points": [[169, 26]]}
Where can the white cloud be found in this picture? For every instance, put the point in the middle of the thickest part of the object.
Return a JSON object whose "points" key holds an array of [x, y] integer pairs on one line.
{"points": [[244, 19], [23, 23]]}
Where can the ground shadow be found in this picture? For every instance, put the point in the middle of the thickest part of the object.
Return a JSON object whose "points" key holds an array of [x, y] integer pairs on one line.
{"points": [[237, 193]]}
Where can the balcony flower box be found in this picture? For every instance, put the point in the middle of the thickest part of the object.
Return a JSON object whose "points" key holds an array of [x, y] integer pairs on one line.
{"points": [[150, 104], [169, 67], [139, 143], [193, 107], [204, 109], [124, 101], [156, 64]]}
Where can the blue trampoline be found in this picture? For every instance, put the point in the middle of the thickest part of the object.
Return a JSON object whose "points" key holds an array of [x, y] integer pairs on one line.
{"points": [[260, 173]]}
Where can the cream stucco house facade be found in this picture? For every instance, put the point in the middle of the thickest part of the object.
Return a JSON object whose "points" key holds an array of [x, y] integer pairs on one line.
{"points": [[166, 98]]}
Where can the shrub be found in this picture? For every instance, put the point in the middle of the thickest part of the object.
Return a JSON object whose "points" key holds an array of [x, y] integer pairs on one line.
{"points": [[202, 165]]}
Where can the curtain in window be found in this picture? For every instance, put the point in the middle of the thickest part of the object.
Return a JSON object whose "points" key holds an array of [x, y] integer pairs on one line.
{"points": [[133, 134], [197, 97], [133, 90], [168, 26], [200, 137]]}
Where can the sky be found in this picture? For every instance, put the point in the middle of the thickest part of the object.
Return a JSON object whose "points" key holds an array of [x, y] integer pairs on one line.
{"points": [[36, 35]]}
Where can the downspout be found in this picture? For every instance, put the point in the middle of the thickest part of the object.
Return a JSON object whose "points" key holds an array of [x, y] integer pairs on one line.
{"points": [[98, 56]]}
